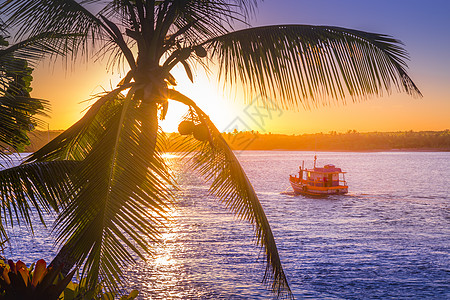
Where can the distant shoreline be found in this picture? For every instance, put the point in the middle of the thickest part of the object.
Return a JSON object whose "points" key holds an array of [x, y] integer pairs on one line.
{"points": [[359, 151], [352, 141]]}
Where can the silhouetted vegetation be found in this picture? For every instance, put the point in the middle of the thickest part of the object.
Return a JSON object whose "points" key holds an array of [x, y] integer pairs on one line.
{"points": [[349, 141]]}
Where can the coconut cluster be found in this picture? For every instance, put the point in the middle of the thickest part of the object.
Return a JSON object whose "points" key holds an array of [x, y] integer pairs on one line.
{"points": [[199, 131]]}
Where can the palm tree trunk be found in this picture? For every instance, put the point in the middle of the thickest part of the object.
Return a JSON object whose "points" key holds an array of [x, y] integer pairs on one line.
{"points": [[64, 259]]}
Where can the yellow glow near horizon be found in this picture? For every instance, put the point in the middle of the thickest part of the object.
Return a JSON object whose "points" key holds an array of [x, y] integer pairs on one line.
{"points": [[69, 90], [428, 67]]}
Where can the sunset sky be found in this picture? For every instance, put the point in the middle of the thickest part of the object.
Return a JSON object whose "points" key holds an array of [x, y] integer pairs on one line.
{"points": [[423, 26]]}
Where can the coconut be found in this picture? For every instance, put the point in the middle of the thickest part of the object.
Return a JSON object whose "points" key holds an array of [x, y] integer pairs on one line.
{"points": [[186, 127], [201, 132], [184, 53], [200, 51]]}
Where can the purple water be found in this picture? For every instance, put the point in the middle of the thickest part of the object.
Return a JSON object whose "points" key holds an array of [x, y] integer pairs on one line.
{"points": [[389, 238]]}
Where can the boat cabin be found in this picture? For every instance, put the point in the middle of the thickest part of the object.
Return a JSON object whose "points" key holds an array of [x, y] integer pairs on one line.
{"points": [[327, 176]]}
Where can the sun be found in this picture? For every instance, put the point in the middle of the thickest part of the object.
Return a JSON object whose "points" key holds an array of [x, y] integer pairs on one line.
{"points": [[207, 94]]}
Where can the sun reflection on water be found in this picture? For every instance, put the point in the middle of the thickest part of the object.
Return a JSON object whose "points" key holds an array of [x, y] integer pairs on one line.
{"points": [[163, 275], [203, 252]]}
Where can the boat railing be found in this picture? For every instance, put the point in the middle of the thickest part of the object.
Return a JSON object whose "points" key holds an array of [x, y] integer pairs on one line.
{"points": [[319, 182]]}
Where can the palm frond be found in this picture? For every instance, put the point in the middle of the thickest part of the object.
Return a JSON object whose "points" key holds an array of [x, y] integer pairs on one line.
{"points": [[206, 19], [215, 161], [121, 193], [64, 17], [43, 185], [34, 48], [303, 65], [18, 116], [159, 22], [76, 142], [18, 111]]}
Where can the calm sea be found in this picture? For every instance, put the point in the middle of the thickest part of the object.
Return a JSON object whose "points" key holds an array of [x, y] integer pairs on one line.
{"points": [[389, 238]]}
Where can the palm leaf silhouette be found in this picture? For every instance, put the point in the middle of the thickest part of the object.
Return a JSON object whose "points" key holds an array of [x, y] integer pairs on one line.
{"points": [[106, 213], [43, 186], [309, 65], [216, 162]]}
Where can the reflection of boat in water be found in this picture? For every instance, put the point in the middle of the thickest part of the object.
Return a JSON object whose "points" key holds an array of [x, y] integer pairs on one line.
{"points": [[328, 180]]}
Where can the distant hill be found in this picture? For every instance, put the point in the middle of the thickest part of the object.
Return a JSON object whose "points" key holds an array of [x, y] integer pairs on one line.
{"points": [[349, 141]]}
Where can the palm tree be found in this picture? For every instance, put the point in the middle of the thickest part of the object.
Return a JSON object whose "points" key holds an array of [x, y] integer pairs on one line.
{"points": [[20, 114], [18, 110], [115, 188]]}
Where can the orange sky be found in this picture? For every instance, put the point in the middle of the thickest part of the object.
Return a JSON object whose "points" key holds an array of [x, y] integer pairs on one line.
{"points": [[429, 68]]}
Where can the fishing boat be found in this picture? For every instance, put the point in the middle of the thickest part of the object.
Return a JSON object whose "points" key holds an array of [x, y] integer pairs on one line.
{"points": [[319, 181]]}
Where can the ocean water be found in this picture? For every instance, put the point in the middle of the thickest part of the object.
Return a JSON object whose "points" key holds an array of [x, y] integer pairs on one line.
{"points": [[389, 238]]}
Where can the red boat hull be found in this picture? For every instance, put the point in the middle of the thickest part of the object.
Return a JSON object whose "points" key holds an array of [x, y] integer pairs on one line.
{"points": [[316, 189]]}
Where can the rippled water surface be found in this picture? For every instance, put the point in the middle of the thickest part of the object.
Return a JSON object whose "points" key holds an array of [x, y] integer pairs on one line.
{"points": [[389, 238]]}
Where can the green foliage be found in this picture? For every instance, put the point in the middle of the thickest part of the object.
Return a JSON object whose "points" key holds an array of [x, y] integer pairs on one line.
{"points": [[40, 282], [17, 110], [81, 291]]}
